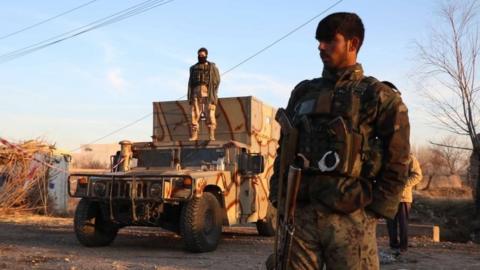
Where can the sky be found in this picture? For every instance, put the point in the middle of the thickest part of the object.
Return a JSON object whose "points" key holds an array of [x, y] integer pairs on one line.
{"points": [[81, 89]]}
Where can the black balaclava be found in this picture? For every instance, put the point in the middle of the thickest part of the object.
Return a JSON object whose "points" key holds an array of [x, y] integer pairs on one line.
{"points": [[202, 59]]}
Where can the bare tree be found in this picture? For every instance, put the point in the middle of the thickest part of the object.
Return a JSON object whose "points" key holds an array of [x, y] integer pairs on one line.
{"points": [[442, 160], [450, 56], [430, 164], [455, 158]]}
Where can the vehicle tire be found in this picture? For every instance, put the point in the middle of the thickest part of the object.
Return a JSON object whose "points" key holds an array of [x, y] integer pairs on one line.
{"points": [[201, 223], [91, 229], [268, 227]]}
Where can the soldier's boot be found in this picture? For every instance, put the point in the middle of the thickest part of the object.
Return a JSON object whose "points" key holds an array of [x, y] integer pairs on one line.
{"points": [[194, 136], [211, 132]]}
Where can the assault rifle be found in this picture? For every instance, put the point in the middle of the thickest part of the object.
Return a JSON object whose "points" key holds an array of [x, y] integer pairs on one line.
{"points": [[286, 203]]}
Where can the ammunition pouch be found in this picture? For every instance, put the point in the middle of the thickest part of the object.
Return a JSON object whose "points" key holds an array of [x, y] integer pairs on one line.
{"points": [[330, 146], [201, 75]]}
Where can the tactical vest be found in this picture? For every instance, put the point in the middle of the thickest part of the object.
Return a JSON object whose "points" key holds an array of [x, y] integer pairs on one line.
{"points": [[330, 135], [200, 74]]}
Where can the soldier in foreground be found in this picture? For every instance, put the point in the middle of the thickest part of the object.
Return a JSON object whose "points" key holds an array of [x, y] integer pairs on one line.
{"points": [[347, 141], [202, 93]]}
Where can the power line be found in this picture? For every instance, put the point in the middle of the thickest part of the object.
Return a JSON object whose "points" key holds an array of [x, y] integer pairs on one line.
{"points": [[232, 68], [46, 20], [115, 131], [116, 17], [128, 125], [282, 37]]}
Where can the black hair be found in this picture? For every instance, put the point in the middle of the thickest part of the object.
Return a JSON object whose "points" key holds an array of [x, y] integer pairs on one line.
{"points": [[202, 50], [347, 24]]}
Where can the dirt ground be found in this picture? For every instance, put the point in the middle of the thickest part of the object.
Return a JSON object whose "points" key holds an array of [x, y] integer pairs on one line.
{"points": [[37, 242]]}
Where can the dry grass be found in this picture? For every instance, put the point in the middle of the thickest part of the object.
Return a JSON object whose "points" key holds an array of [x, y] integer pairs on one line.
{"points": [[28, 218], [464, 192], [25, 178]]}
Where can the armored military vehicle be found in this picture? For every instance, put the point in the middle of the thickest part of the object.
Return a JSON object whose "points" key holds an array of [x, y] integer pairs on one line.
{"points": [[189, 187]]}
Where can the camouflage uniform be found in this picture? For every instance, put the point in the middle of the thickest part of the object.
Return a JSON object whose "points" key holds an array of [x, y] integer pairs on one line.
{"points": [[202, 95], [332, 223], [340, 241]]}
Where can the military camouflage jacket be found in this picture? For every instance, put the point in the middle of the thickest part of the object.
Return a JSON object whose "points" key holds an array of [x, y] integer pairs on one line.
{"points": [[382, 117], [214, 82]]}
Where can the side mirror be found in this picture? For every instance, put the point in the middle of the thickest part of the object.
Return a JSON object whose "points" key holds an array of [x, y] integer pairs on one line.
{"points": [[250, 164]]}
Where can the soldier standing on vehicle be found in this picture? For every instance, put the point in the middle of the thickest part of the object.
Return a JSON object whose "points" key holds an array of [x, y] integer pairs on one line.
{"points": [[352, 148], [202, 93], [400, 221]]}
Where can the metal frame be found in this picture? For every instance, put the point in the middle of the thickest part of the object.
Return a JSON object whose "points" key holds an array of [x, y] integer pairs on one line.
{"points": [[133, 178]]}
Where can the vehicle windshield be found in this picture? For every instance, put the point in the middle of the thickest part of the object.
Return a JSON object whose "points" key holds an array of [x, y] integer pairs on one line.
{"points": [[155, 158], [195, 157]]}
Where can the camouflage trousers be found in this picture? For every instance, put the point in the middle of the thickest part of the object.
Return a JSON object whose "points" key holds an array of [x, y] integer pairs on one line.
{"points": [[200, 105], [339, 241]]}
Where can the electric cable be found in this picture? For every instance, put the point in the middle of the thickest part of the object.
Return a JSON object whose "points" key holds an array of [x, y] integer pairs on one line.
{"points": [[281, 38], [115, 131], [46, 20], [116, 17]]}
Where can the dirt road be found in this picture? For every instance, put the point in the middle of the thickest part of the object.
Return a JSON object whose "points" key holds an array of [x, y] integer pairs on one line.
{"points": [[34, 242]]}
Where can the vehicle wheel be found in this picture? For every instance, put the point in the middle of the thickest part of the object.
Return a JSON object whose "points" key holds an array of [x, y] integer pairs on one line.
{"points": [[90, 227], [268, 227], [201, 223]]}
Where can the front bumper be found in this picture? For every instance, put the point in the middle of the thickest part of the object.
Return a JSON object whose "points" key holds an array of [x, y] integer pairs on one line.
{"points": [[154, 188]]}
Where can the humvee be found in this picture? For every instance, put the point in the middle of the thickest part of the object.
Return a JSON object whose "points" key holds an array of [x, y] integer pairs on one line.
{"points": [[192, 188]]}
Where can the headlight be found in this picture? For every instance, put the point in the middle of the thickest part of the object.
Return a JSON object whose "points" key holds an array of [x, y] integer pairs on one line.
{"points": [[82, 181], [156, 190], [78, 186], [187, 182], [182, 182], [99, 189]]}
